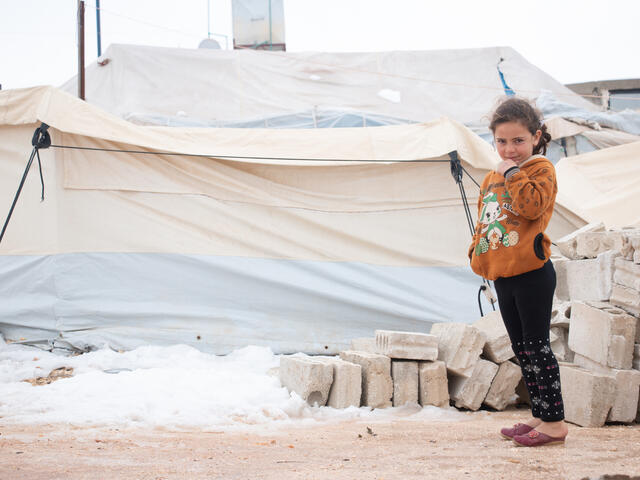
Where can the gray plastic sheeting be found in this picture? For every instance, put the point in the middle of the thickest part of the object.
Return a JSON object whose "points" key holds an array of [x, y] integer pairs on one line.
{"points": [[219, 304], [626, 121]]}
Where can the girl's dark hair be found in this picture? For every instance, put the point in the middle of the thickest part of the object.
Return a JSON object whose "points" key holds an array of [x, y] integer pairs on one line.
{"points": [[515, 109]]}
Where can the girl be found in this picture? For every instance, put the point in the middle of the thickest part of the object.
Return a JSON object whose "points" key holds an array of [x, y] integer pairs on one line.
{"points": [[510, 247]]}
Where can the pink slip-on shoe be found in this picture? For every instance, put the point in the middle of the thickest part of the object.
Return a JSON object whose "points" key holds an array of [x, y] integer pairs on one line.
{"points": [[537, 439], [517, 429]]}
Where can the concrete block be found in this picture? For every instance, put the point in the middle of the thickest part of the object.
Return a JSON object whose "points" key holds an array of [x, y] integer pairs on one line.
{"points": [[307, 377], [560, 344], [587, 396], [433, 384], [627, 274], [561, 314], [498, 345], [364, 344], [405, 382], [630, 237], [562, 287], [636, 356], [407, 345], [377, 386], [469, 392], [626, 298], [459, 346], [633, 239], [503, 388], [627, 389], [591, 244], [586, 280], [346, 389], [568, 244], [603, 333]]}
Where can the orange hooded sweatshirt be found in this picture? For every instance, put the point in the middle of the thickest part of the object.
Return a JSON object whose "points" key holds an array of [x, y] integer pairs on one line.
{"points": [[513, 214]]}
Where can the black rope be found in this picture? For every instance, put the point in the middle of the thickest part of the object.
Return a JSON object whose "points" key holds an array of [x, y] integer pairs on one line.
{"points": [[467, 209], [41, 139], [40, 170], [482, 287], [243, 157], [469, 175], [457, 171]]}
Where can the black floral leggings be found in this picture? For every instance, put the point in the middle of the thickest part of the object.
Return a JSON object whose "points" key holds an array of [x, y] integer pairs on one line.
{"points": [[525, 305]]}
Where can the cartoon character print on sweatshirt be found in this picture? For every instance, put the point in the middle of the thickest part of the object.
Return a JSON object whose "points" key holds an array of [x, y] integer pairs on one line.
{"points": [[494, 232]]}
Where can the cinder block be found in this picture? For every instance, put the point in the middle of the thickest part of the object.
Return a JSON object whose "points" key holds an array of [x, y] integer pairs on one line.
{"points": [[627, 389], [568, 244], [603, 333], [587, 396], [459, 346], [630, 237], [591, 244], [586, 280], [405, 382], [377, 386], [633, 239], [364, 344], [560, 344], [561, 314], [470, 392], [307, 377], [498, 345], [433, 384], [627, 274], [503, 388], [407, 345], [346, 389], [562, 287], [626, 298]]}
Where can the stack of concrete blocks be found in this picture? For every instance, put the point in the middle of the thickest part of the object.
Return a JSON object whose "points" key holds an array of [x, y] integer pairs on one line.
{"points": [[469, 376], [497, 349], [408, 352], [590, 255], [601, 385], [417, 375]]}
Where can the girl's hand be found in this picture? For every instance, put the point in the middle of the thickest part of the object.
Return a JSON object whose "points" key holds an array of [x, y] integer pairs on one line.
{"points": [[505, 165]]}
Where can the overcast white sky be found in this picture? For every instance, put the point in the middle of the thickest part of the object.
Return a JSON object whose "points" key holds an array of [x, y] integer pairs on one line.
{"points": [[572, 40]]}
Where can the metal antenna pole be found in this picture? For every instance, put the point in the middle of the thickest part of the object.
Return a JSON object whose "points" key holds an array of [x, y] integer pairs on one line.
{"points": [[81, 49], [98, 27], [208, 18]]}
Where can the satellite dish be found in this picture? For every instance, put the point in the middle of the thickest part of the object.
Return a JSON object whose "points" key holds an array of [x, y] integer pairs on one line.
{"points": [[209, 43]]}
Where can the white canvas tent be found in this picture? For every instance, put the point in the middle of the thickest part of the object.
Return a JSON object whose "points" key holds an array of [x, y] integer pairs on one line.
{"points": [[249, 89], [604, 185], [183, 244], [172, 86]]}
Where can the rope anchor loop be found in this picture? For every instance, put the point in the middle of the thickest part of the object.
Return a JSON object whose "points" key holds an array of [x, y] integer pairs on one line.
{"points": [[41, 137]]}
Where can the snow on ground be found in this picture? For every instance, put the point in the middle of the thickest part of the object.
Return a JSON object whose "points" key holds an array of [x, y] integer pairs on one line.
{"points": [[171, 387]]}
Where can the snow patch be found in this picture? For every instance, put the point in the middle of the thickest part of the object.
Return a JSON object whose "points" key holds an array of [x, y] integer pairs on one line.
{"points": [[170, 387]]}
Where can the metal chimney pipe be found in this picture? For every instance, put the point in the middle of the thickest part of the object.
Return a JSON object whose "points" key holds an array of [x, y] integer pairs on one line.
{"points": [[81, 49]]}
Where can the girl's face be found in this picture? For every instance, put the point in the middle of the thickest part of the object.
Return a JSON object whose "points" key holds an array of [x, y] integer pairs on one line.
{"points": [[514, 141]]}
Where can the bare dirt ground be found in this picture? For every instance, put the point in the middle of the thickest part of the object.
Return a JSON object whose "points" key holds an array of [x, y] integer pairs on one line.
{"points": [[399, 449]]}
